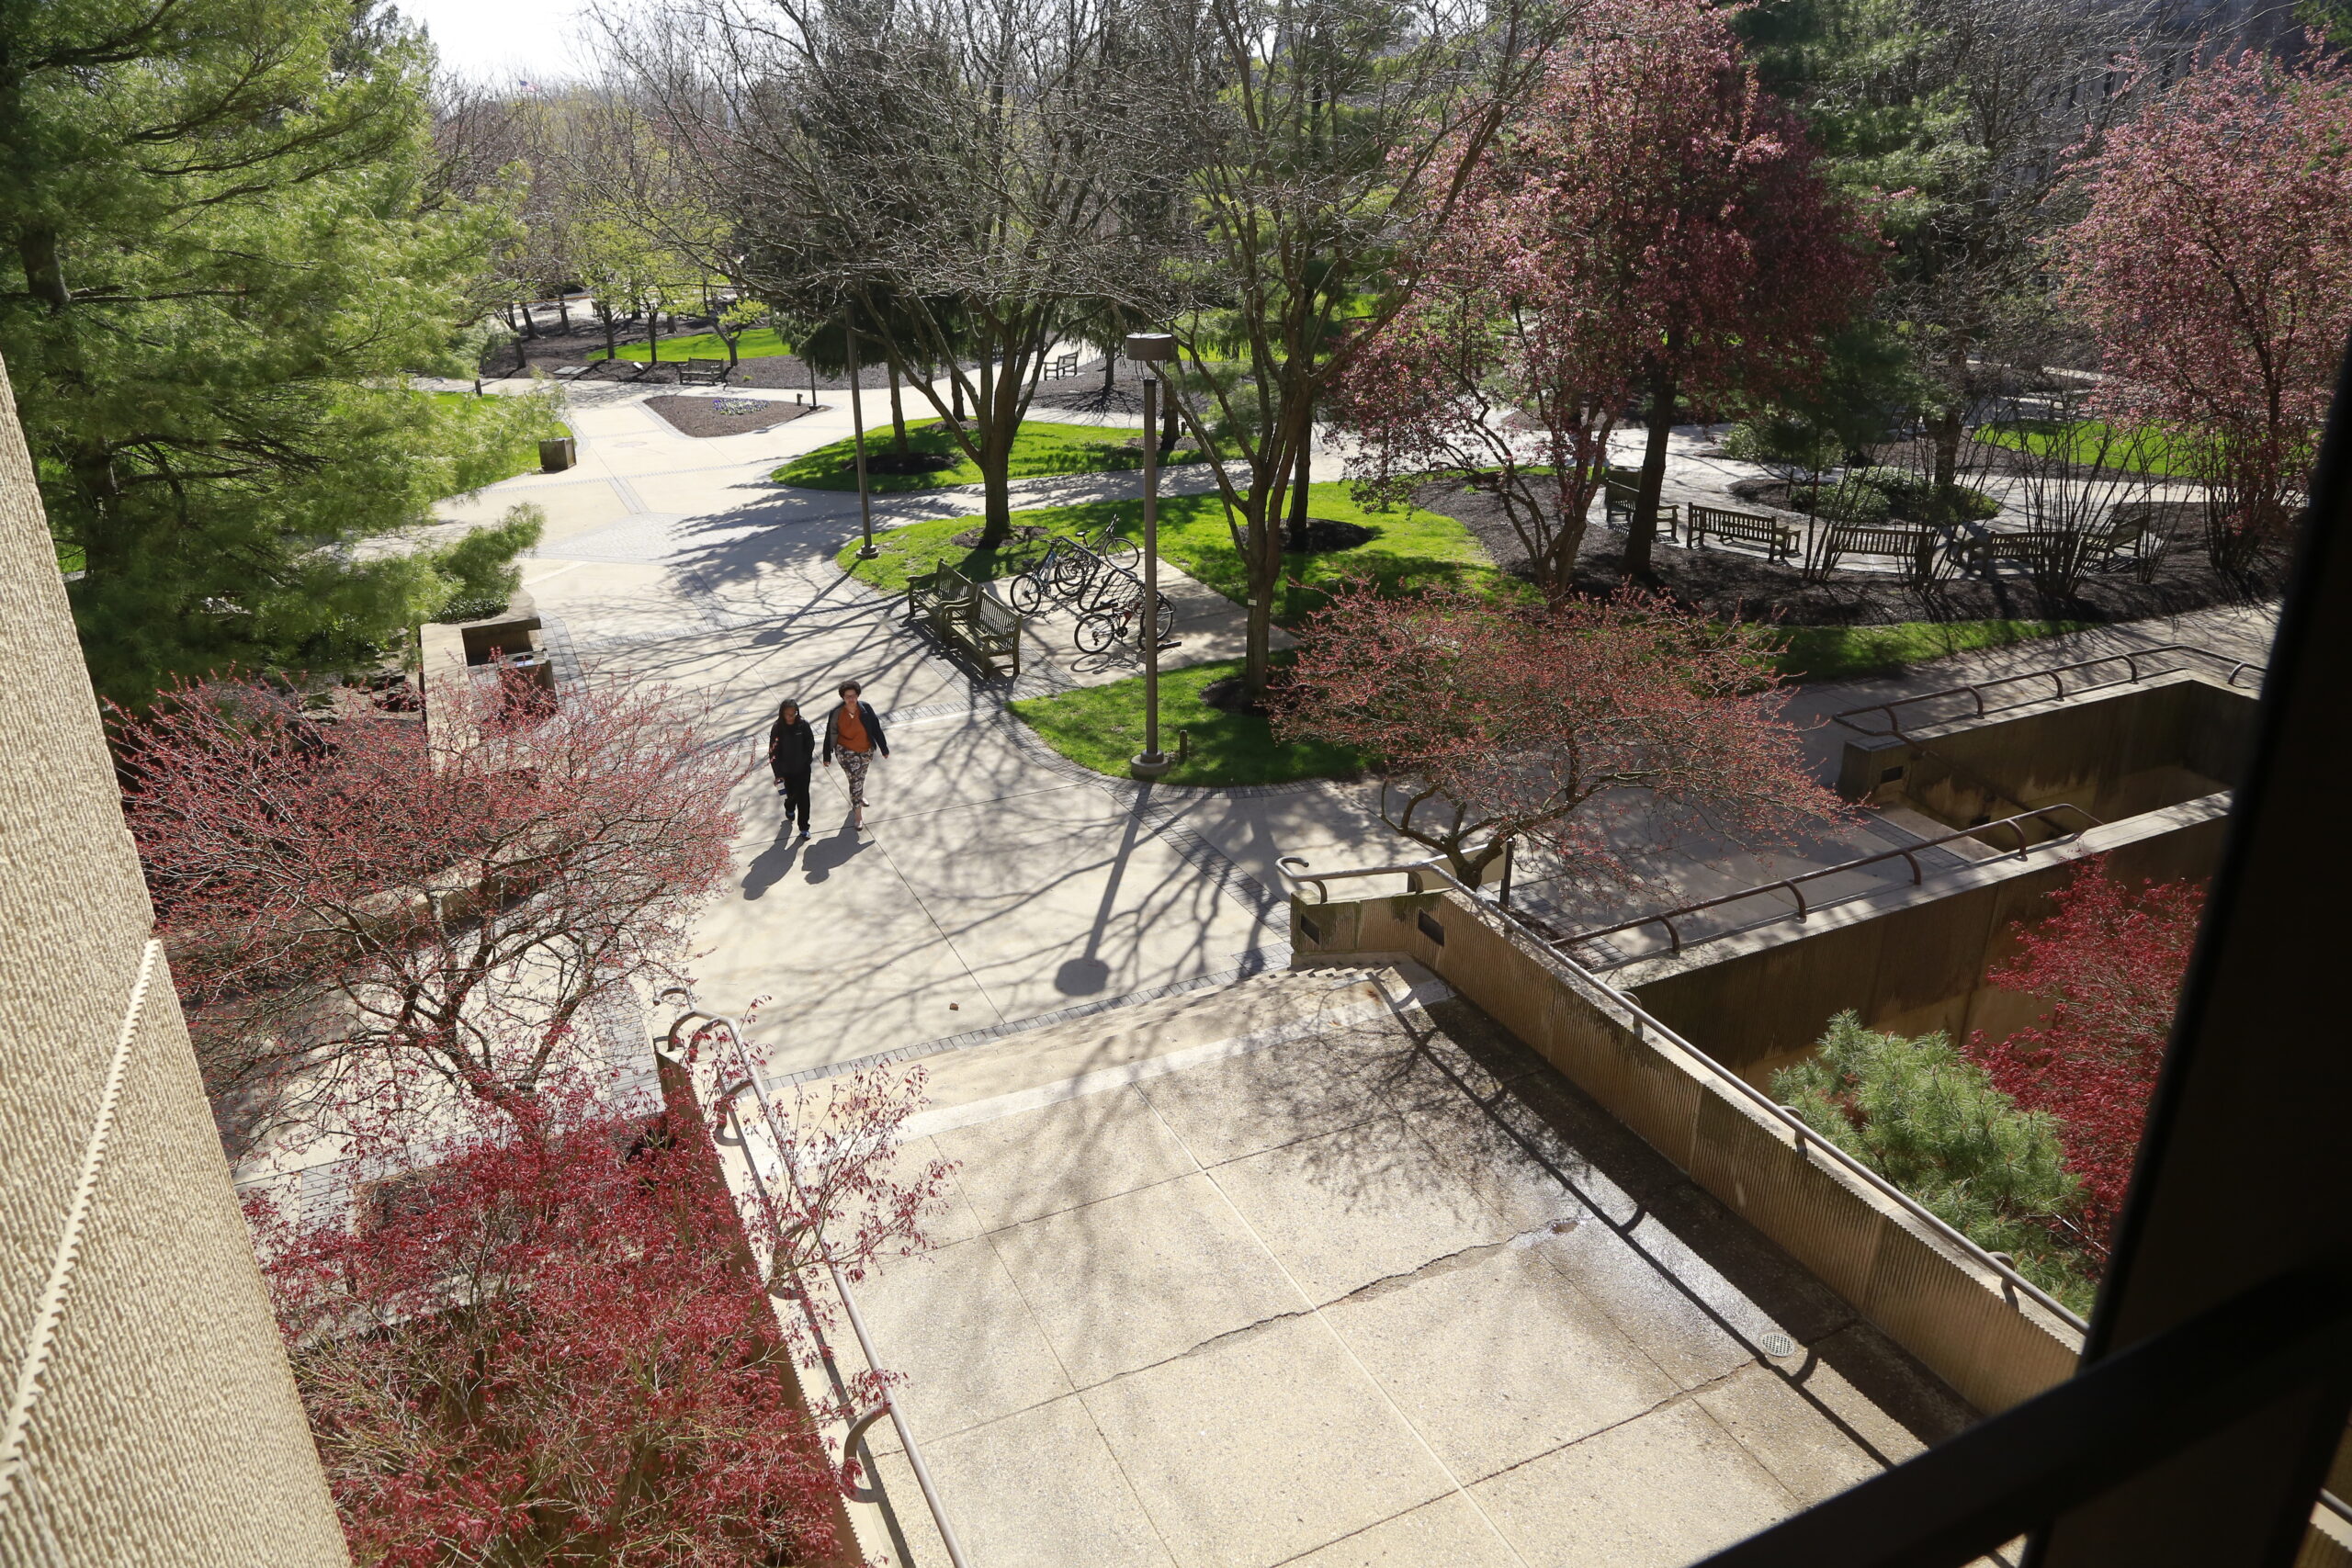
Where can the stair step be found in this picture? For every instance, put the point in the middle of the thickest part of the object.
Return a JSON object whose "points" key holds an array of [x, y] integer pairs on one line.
{"points": [[1084, 1054]]}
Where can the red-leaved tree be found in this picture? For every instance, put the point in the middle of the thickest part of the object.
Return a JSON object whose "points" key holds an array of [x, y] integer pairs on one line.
{"points": [[352, 918], [2214, 264], [1491, 718], [541, 1339], [2109, 960], [1650, 224]]}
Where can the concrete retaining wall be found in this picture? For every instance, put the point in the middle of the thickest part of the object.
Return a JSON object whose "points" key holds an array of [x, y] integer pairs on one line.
{"points": [[1933, 1301], [2114, 753], [1910, 960]]}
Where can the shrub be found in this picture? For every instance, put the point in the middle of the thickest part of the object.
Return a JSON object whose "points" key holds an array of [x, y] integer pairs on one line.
{"points": [[2109, 959], [1933, 1122], [1787, 446], [1854, 502]]}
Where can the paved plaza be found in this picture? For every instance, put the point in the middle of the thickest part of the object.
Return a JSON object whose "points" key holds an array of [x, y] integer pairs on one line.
{"points": [[1300, 1297]]}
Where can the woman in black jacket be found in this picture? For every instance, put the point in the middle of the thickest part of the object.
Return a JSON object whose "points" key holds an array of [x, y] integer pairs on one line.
{"points": [[792, 748]]}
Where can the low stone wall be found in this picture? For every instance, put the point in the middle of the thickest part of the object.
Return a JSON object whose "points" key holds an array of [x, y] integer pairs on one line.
{"points": [[1945, 1309], [2114, 752], [1910, 960]]}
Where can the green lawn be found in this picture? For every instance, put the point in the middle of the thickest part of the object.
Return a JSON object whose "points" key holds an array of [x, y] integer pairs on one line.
{"points": [[1041, 447], [760, 342], [1409, 548], [1102, 727], [1843, 653], [2156, 455]]}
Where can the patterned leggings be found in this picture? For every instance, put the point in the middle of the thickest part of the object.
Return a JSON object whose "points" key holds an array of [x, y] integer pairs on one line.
{"points": [[853, 766]]}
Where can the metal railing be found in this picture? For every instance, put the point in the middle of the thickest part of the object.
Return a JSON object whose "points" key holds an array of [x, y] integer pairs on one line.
{"points": [[728, 1093], [1646, 1027], [2056, 674], [1794, 886]]}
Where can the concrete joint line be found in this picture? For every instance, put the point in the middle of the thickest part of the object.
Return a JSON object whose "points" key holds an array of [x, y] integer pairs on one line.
{"points": [[949, 1118], [51, 1306], [1428, 1449]]}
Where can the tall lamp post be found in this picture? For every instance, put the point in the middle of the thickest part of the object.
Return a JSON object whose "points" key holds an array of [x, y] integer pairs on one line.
{"points": [[1150, 349], [857, 421]]}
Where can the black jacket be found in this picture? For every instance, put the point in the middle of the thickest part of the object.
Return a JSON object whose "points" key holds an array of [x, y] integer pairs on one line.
{"points": [[791, 747], [866, 716]]}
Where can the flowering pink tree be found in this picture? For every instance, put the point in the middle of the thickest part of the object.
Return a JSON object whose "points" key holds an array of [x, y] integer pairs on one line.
{"points": [[1491, 718], [1650, 224], [2109, 959], [2215, 265], [542, 1341], [346, 910]]}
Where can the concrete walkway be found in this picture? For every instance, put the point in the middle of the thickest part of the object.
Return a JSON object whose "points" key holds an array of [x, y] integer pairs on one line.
{"points": [[1320, 1269]]}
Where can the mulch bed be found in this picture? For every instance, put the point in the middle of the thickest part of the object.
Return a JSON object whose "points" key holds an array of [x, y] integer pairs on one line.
{"points": [[1726, 582], [725, 416]]}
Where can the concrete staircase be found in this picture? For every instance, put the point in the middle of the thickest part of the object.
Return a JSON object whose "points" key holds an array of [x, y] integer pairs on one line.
{"points": [[1324, 1267]]}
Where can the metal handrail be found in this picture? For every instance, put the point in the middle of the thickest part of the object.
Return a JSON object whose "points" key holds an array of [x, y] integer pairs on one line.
{"points": [[2056, 674], [732, 1030], [1794, 886], [1644, 1023]]}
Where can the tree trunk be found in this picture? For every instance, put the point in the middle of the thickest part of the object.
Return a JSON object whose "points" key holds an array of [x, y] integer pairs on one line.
{"points": [[563, 311], [1299, 483], [1171, 427], [1947, 429], [1641, 530], [898, 414], [653, 334], [612, 341], [996, 491], [1262, 525], [957, 391]]}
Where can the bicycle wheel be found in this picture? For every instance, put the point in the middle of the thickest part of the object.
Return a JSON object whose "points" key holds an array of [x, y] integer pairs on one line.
{"points": [[1072, 572], [1166, 619], [1026, 594], [1097, 632]]}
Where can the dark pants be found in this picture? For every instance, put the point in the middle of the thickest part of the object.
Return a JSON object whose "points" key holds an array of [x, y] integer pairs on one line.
{"points": [[794, 787]]}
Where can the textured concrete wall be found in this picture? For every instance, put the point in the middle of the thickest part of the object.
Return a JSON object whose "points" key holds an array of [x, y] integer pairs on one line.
{"points": [[2114, 753], [1926, 1295], [1911, 959], [163, 1427]]}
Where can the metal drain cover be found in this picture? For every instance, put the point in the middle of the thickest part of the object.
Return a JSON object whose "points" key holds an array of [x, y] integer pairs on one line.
{"points": [[1778, 1345]]}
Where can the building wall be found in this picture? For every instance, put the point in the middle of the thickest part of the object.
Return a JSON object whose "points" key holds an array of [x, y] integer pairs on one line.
{"points": [[161, 1425]]}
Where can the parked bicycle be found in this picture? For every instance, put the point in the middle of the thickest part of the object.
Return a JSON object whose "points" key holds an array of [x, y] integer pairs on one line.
{"points": [[1122, 621]]}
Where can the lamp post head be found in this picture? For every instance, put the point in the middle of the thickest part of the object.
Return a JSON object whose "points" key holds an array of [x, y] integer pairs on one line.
{"points": [[1151, 347]]}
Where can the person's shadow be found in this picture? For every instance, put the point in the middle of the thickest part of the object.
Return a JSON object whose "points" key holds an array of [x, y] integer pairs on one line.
{"points": [[825, 854], [771, 865]]}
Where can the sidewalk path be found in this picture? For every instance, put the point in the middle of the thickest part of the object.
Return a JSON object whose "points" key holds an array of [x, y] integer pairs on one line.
{"points": [[996, 884]]}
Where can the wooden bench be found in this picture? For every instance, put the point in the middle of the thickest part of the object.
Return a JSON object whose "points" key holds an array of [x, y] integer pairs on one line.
{"points": [[1617, 496], [703, 373], [965, 615], [1779, 541], [1061, 366], [2040, 552], [1913, 546]]}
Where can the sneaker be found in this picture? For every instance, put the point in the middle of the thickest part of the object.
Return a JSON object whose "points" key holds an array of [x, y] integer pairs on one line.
{"points": [[803, 832]]}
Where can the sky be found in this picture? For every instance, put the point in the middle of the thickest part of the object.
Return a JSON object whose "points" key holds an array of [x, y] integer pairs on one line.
{"points": [[503, 40]]}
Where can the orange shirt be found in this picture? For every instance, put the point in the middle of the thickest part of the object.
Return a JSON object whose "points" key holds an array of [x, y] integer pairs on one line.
{"points": [[850, 733]]}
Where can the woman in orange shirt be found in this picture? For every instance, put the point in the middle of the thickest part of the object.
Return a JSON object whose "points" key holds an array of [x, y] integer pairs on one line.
{"points": [[854, 732]]}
